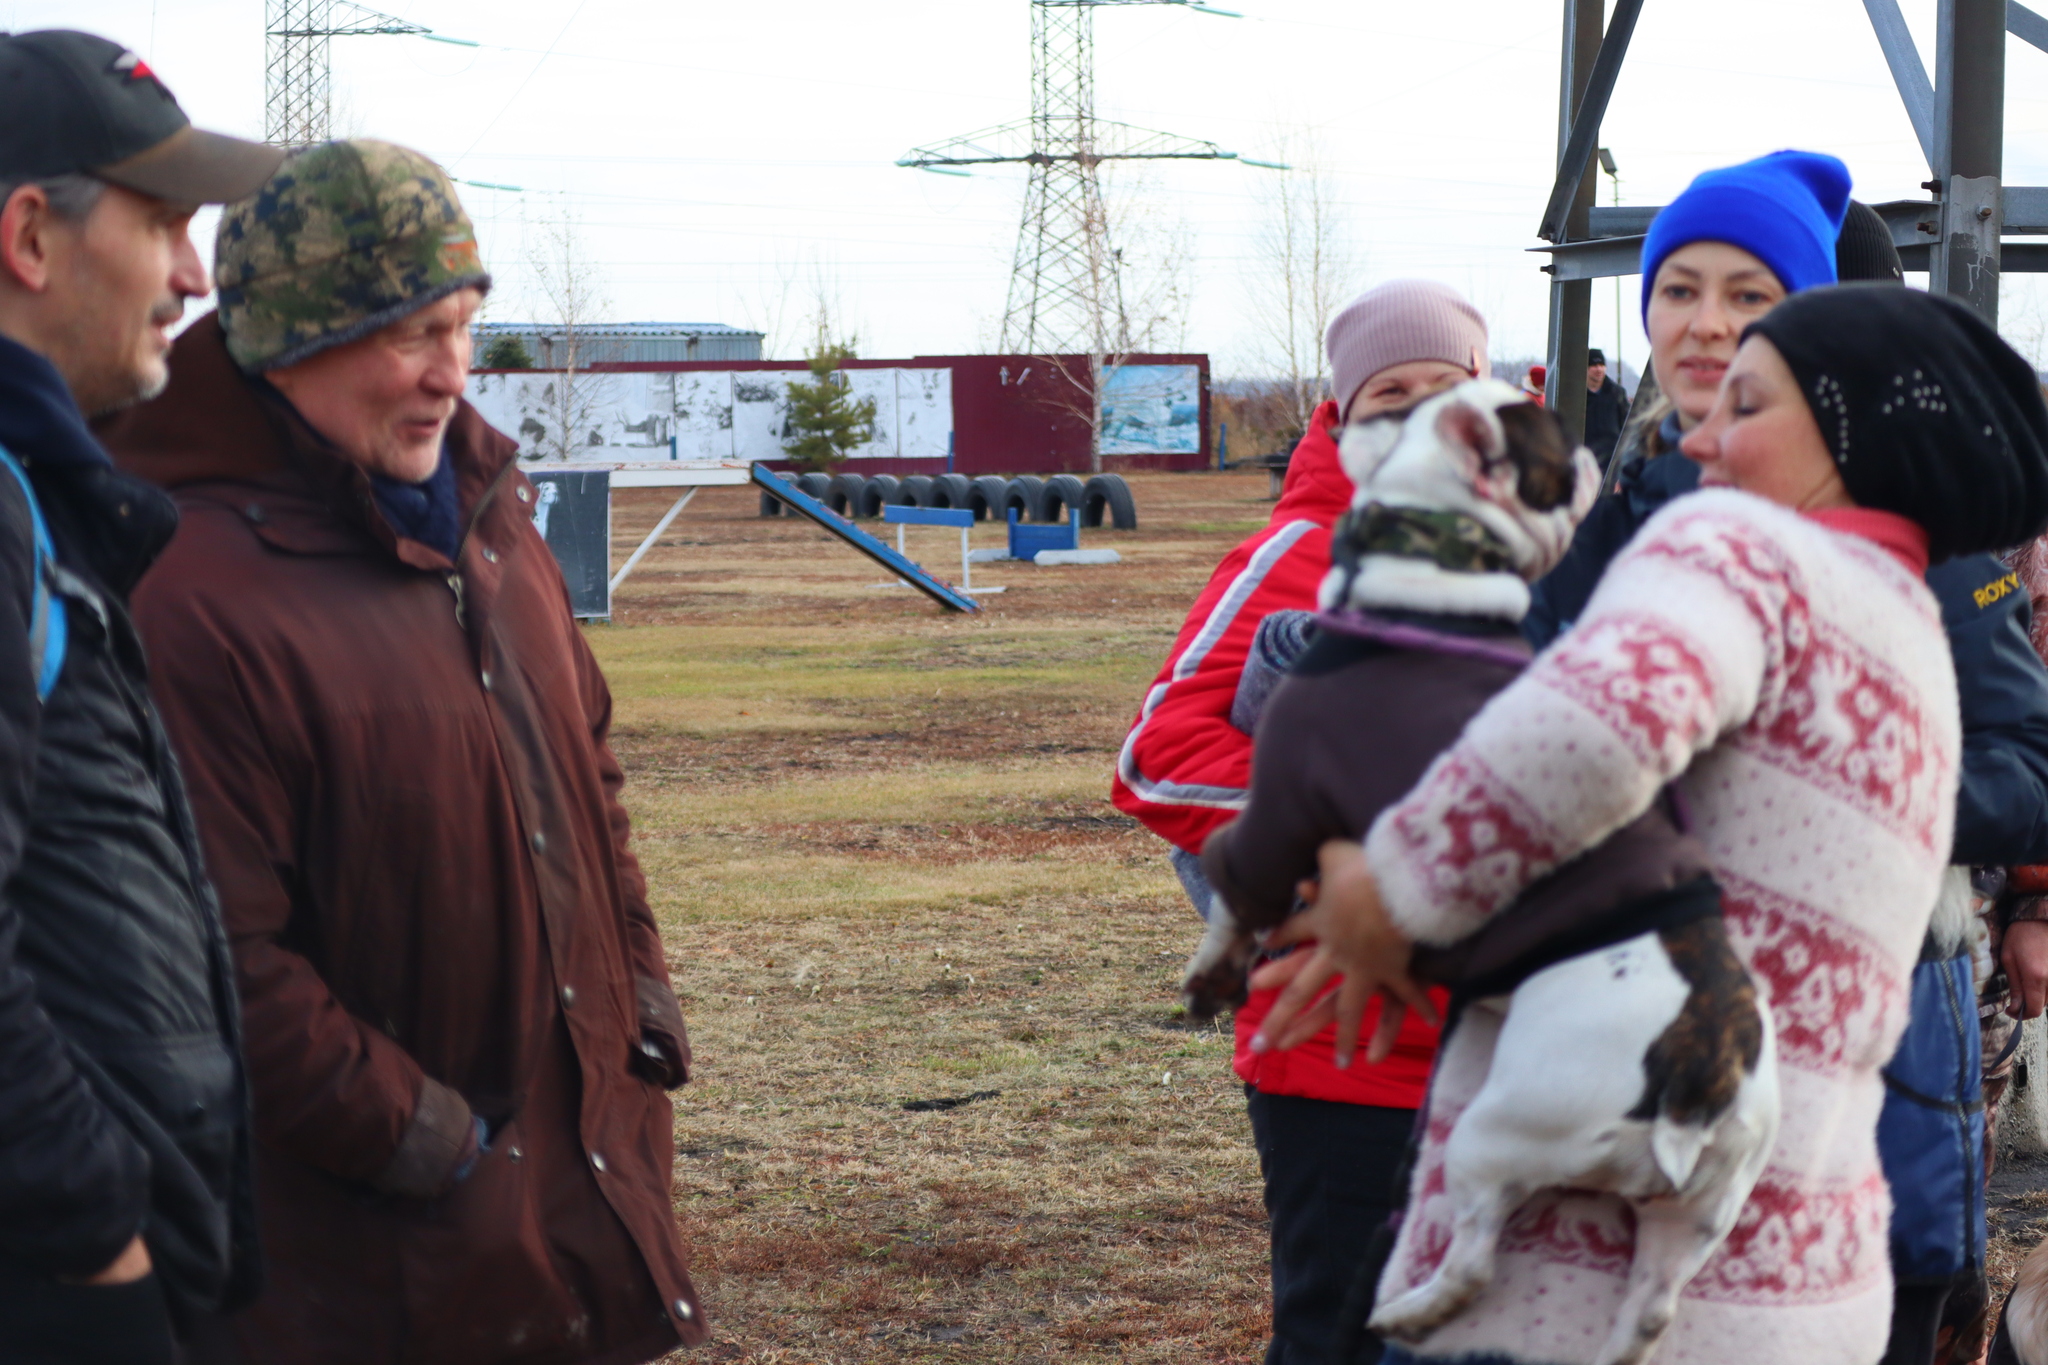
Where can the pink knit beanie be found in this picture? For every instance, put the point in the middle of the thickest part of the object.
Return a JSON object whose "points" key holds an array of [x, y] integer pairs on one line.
{"points": [[1400, 321]]}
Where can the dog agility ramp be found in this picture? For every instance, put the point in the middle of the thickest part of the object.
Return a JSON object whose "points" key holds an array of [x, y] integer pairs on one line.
{"points": [[880, 551]]}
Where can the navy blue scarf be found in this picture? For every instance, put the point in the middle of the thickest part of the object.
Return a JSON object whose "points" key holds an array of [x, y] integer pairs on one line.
{"points": [[426, 512]]}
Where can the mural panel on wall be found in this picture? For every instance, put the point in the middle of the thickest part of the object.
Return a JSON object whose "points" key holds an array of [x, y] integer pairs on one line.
{"points": [[703, 414], [1152, 409]]}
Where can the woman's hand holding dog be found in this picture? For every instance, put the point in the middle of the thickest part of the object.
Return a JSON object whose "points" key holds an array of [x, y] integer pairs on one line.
{"points": [[1355, 941]]}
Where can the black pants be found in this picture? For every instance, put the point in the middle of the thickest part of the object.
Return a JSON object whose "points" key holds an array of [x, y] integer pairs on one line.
{"points": [[44, 1322], [1330, 1173]]}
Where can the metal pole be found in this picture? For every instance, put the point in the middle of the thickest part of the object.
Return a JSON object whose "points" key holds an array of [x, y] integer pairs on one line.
{"points": [[1572, 301], [1969, 144]]}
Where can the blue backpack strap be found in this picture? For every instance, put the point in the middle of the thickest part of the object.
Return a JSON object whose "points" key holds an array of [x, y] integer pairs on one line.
{"points": [[46, 621]]}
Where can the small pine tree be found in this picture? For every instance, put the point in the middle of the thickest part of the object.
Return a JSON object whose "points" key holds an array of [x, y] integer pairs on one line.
{"points": [[507, 353], [825, 421]]}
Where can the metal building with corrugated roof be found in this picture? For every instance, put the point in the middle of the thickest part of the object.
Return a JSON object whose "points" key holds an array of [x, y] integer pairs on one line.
{"points": [[624, 343]]}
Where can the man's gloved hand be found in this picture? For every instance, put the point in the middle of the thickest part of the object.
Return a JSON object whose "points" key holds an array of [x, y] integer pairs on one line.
{"points": [[662, 1056]]}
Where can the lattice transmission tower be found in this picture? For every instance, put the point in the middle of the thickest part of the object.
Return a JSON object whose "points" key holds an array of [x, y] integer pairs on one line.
{"points": [[1066, 288], [297, 70]]}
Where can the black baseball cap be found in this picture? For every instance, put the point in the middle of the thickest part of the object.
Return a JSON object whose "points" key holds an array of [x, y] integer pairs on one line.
{"points": [[73, 102]]}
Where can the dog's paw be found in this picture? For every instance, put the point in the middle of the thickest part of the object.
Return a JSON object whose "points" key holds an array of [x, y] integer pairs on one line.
{"points": [[1210, 990], [1215, 979]]}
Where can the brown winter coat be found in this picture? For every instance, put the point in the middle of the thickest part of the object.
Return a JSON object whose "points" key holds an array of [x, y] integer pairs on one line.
{"points": [[407, 803]]}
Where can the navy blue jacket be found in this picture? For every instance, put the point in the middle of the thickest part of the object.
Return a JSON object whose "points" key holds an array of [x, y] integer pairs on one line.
{"points": [[1930, 1134]]}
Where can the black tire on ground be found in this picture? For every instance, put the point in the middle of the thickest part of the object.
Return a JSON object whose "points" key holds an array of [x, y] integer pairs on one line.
{"points": [[952, 490], [771, 506], [879, 493], [1022, 494], [816, 484], [915, 491], [845, 495], [987, 497], [1110, 491], [1061, 493]]}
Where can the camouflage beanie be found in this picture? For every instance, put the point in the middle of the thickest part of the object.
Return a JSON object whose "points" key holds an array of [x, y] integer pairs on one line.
{"points": [[345, 238]]}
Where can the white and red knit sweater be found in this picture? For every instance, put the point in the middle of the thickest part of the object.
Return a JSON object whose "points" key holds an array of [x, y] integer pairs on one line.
{"points": [[1798, 677]]}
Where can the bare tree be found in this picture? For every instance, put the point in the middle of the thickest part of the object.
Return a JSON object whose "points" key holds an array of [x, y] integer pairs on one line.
{"points": [[570, 283], [1302, 270]]}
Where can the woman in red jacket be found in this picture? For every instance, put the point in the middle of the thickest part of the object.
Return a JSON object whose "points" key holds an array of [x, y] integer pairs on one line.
{"points": [[1330, 1142]]}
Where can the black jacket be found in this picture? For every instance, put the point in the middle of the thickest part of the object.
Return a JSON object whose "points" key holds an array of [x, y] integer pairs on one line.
{"points": [[123, 1105], [2002, 807], [1606, 415]]}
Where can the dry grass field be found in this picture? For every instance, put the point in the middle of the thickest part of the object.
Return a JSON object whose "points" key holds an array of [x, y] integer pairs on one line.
{"points": [[879, 841]]}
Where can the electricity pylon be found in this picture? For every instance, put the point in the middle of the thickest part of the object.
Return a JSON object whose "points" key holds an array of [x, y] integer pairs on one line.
{"points": [[1066, 291], [297, 72]]}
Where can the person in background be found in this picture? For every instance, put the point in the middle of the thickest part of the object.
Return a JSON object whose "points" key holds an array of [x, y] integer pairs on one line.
{"points": [[1725, 253], [1330, 1141], [457, 1005], [126, 1216], [1606, 408], [1533, 381]]}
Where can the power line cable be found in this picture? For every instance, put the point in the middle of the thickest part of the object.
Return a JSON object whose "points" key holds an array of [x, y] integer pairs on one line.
{"points": [[521, 88]]}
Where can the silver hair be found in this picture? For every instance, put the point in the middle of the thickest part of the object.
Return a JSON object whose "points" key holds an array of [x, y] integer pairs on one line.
{"points": [[72, 196]]}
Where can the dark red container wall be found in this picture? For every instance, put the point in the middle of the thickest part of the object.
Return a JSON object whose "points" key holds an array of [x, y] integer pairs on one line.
{"points": [[1012, 414]]}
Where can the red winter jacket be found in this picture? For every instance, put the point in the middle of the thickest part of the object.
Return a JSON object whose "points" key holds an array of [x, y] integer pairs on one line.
{"points": [[1184, 769]]}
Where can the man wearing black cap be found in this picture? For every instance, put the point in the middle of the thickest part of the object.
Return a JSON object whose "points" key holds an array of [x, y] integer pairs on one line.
{"points": [[1606, 408], [125, 1202]]}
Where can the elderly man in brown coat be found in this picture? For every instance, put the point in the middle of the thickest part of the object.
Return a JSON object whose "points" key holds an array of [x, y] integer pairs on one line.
{"points": [[455, 1001]]}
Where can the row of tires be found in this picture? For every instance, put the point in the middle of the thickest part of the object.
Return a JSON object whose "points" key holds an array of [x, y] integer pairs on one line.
{"points": [[989, 497]]}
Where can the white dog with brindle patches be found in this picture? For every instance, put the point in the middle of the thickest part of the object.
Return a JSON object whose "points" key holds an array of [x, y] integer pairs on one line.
{"points": [[1646, 1069]]}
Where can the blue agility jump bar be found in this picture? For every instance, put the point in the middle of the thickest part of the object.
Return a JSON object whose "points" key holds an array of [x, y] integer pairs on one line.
{"points": [[773, 484], [928, 516]]}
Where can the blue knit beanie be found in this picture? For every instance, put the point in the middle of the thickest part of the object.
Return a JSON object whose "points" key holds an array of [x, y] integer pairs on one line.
{"points": [[1785, 209]]}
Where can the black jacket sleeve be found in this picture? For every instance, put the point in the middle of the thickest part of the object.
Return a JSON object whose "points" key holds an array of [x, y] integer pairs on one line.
{"points": [[1557, 599], [73, 1183], [2002, 807]]}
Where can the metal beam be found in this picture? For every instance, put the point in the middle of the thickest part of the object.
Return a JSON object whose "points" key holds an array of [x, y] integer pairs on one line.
{"points": [[1969, 151], [2015, 258], [1571, 302], [1909, 74], [2025, 25], [1590, 108]]}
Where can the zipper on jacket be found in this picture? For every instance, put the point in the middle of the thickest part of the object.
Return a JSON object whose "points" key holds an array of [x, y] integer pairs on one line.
{"points": [[476, 514]]}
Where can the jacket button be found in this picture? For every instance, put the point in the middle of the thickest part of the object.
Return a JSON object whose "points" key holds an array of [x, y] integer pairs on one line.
{"points": [[568, 997], [490, 555], [525, 496], [684, 1311], [597, 1160], [540, 842], [515, 1154], [254, 512], [486, 676]]}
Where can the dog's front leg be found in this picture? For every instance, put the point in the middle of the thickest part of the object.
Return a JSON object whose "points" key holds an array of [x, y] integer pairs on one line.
{"points": [[1215, 976]]}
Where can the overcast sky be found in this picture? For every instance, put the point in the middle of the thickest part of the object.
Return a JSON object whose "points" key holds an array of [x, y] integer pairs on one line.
{"points": [[724, 160]]}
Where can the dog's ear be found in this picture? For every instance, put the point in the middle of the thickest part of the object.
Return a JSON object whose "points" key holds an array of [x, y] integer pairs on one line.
{"points": [[1469, 436], [1546, 472]]}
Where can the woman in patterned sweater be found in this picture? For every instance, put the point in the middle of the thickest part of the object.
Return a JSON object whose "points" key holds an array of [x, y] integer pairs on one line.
{"points": [[1770, 644]]}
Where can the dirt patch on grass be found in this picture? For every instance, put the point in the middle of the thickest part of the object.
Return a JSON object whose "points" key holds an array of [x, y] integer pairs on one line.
{"points": [[879, 840]]}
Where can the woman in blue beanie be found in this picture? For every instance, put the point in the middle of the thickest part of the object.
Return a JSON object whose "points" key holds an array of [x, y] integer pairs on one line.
{"points": [[1724, 253]]}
